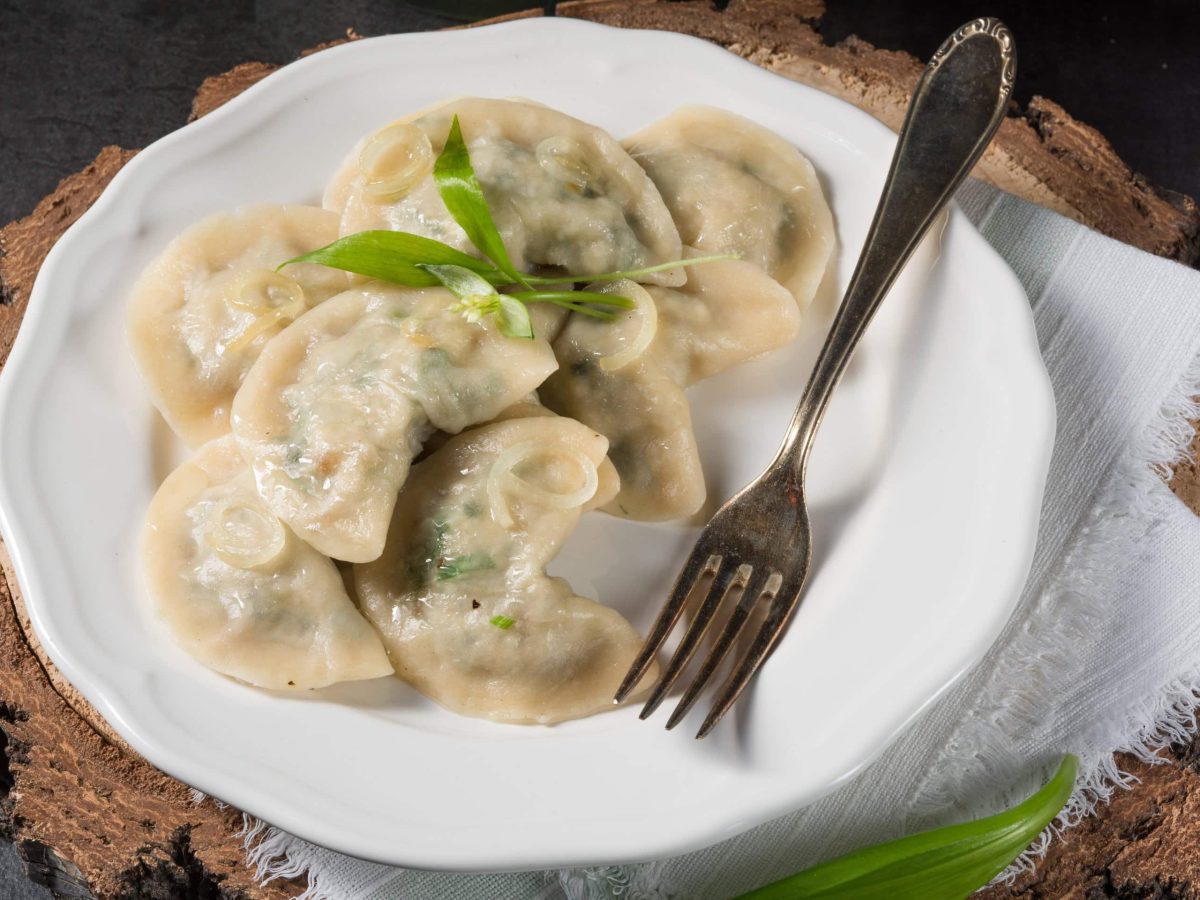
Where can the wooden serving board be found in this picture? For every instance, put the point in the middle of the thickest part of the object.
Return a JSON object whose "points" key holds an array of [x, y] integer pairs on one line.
{"points": [[91, 818]]}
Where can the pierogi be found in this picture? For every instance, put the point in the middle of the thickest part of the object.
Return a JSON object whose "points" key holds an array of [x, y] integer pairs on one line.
{"points": [[334, 410], [626, 378], [378, 488], [735, 187], [203, 310], [563, 193], [240, 592], [460, 595]]}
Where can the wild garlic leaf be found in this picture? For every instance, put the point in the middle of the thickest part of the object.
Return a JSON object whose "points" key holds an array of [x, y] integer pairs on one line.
{"points": [[514, 318], [394, 256], [592, 312], [478, 298], [502, 622], [574, 297], [578, 301], [635, 274], [944, 863], [461, 192], [461, 281]]}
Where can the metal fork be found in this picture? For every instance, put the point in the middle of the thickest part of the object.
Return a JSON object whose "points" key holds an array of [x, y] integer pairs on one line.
{"points": [[758, 546]]}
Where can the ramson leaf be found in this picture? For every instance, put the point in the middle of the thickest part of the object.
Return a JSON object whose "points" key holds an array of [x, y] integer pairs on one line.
{"points": [[394, 256], [461, 281], [513, 318], [415, 261], [574, 297], [478, 298], [461, 192], [637, 274], [943, 864]]}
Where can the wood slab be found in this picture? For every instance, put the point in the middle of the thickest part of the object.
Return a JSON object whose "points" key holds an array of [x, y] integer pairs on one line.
{"points": [[92, 819]]}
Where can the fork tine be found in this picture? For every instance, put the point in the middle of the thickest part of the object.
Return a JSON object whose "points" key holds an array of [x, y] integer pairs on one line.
{"points": [[763, 586], [724, 578], [772, 627], [698, 563]]}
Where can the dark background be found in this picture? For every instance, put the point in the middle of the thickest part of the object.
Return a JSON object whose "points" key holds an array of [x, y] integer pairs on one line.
{"points": [[75, 76]]}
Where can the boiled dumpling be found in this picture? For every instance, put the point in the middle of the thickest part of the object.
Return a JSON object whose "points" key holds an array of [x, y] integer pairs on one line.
{"points": [[642, 411], [735, 187], [203, 310], [240, 592], [728, 312], [467, 613], [333, 412], [562, 192], [626, 378]]}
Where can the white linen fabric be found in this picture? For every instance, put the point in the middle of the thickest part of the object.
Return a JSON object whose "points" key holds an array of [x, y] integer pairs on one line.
{"points": [[1101, 654]]}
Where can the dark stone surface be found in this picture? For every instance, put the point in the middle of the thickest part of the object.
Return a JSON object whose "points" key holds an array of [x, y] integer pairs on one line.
{"points": [[13, 883], [76, 74]]}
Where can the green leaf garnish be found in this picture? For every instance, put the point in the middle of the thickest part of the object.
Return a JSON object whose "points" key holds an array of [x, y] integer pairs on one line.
{"points": [[945, 863], [461, 281], [463, 195], [415, 261], [502, 622], [394, 256], [478, 298], [578, 301], [513, 318], [635, 274], [573, 297], [590, 311], [399, 257]]}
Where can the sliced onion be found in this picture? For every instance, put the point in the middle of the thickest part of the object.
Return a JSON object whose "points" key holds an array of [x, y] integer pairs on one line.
{"points": [[647, 316], [261, 291], [567, 160], [502, 479], [258, 325], [244, 535], [394, 160], [272, 298]]}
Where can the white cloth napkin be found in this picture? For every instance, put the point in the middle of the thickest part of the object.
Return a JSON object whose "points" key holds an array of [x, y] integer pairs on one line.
{"points": [[1102, 654]]}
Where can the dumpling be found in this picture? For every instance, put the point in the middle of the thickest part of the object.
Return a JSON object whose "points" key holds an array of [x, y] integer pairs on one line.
{"points": [[203, 310], [562, 192], [642, 411], [728, 312], [467, 613], [735, 187], [336, 407], [240, 592], [626, 378]]}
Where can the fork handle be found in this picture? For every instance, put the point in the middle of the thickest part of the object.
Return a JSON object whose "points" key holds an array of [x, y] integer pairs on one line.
{"points": [[955, 109]]}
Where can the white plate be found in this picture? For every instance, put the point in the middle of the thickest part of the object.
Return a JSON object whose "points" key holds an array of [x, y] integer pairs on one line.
{"points": [[925, 486]]}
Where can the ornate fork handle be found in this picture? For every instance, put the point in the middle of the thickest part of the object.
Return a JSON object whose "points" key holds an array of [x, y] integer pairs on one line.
{"points": [[951, 118]]}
